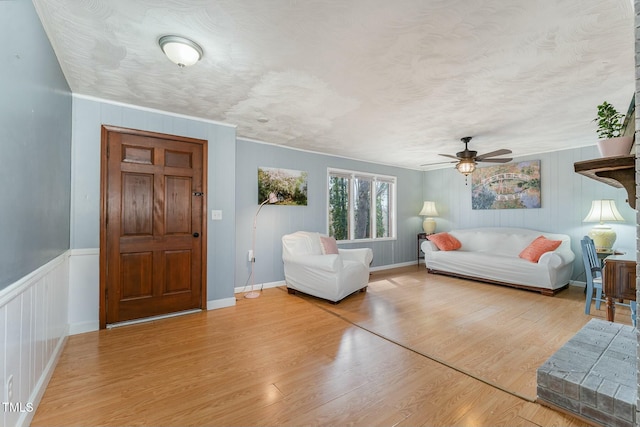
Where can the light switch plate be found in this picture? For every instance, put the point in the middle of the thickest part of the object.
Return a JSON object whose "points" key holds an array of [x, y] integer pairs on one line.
{"points": [[216, 215]]}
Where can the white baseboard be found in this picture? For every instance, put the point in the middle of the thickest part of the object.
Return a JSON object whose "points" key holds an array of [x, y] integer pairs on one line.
{"points": [[577, 284], [258, 286], [390, 266], [83, 327], [221, 303], [84, 300], [91, 326]]}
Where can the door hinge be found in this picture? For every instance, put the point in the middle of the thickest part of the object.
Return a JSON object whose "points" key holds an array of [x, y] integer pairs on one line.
{"points": [[198, 194]]}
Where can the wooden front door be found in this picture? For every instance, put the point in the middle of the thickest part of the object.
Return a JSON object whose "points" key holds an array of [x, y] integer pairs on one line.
{"points": [[152, 243]]}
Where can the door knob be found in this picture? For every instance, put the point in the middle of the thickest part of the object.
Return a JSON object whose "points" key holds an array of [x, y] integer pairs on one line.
{"points": [[196, 234]]}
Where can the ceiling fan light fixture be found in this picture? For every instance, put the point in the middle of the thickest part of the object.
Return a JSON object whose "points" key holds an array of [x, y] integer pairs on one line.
{"points": [[180, 50], [466, 166]]}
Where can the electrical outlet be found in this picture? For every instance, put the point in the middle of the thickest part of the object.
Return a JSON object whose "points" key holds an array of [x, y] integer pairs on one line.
{"points": [[216, 215], [250, 255], [9, 388]]}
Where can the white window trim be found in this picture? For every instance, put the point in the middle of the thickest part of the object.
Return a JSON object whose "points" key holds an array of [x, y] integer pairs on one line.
{"points": [[374, 178]]}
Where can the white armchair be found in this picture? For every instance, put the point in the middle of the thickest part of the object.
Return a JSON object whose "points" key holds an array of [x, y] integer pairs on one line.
{"points": [[332, 276]]}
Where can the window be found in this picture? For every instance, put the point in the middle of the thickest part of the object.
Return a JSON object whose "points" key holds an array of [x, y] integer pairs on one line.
{"points": [[361, 206]]}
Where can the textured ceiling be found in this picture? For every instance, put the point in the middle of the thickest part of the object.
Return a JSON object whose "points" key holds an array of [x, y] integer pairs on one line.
{"points": [[392, 82]]}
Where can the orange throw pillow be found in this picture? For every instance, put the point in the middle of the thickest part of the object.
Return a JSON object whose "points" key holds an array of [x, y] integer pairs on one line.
{"points": [[539, 246], [445, 241]]}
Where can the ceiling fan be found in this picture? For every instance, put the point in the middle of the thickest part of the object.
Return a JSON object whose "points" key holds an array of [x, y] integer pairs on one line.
{"points": [[467, 159]]}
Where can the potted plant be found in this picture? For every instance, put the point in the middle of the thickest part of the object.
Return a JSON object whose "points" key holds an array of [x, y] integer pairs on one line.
{"points": [[611, 130]]}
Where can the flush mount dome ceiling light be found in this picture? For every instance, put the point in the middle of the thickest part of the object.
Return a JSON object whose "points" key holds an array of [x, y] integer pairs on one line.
{"points": [[180, 50]]}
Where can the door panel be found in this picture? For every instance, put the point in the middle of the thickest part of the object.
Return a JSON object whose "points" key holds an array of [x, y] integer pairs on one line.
{"points": [[137, 204], [143, 155], [177, 211], [177, 159], [177, 271], [154, 228], [136, 279]]}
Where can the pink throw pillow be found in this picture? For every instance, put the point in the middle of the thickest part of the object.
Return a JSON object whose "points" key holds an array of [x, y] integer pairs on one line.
{"points": [[445, 241], [539, 246], [329, 245]]}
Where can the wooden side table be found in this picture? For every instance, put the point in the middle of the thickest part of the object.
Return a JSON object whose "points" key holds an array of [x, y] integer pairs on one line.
{"points": [[619, 281], [603, 253], [421, 237]]}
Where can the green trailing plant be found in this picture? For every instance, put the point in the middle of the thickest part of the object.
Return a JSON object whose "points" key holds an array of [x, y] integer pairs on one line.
{"points": [[610, 121]]}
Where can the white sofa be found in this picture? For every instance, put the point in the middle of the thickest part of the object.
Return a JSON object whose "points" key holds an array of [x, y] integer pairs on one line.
{"points": [[334, 276], [491, 255]]}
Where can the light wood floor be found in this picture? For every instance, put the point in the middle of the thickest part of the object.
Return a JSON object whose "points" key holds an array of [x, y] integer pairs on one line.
{"points": [[415, 350]]}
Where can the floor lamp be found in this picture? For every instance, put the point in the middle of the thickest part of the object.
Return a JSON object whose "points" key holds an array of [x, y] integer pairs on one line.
{"points": [[271, 199]]}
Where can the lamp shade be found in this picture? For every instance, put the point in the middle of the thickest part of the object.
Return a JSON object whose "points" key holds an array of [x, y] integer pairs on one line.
{"points": [[603, 210], [603, 235], [180, 50], [429, 209], [273, 198]]}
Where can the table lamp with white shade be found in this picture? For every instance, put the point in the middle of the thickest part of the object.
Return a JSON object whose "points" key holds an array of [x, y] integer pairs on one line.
{"points": [[602, 234], [429, 211]]}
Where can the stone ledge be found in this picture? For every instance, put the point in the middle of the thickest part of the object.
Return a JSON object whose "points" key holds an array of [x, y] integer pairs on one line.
{"points": [[594, 374]]}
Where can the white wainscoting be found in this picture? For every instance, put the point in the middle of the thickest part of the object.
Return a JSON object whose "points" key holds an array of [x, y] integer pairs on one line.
{"points": [[84, 290], [33, 330]]}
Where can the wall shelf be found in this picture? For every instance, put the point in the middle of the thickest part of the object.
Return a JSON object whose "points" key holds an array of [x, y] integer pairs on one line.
{"points": [[618, 171]]}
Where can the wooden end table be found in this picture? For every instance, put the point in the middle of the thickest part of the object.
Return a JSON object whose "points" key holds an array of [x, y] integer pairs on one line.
{"points": [[619, 281]]}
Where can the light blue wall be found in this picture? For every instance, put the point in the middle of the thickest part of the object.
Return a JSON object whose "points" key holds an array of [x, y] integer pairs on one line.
{"points": [[566, 199], [88, 117], [232, 182], [275, 221], [35, 137], [36, 130]]}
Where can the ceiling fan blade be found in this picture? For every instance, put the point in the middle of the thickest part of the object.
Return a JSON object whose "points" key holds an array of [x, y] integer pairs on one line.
{"points": [[449, 155], [493, 153], [438, 163], [505, 160]]}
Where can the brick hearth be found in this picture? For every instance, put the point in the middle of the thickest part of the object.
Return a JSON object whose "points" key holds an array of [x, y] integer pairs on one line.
{"points": [[594, 374]]}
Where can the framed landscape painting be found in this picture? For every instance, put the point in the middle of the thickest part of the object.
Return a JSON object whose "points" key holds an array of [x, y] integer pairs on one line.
{"points": [[290, 186], [508, 186]]}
